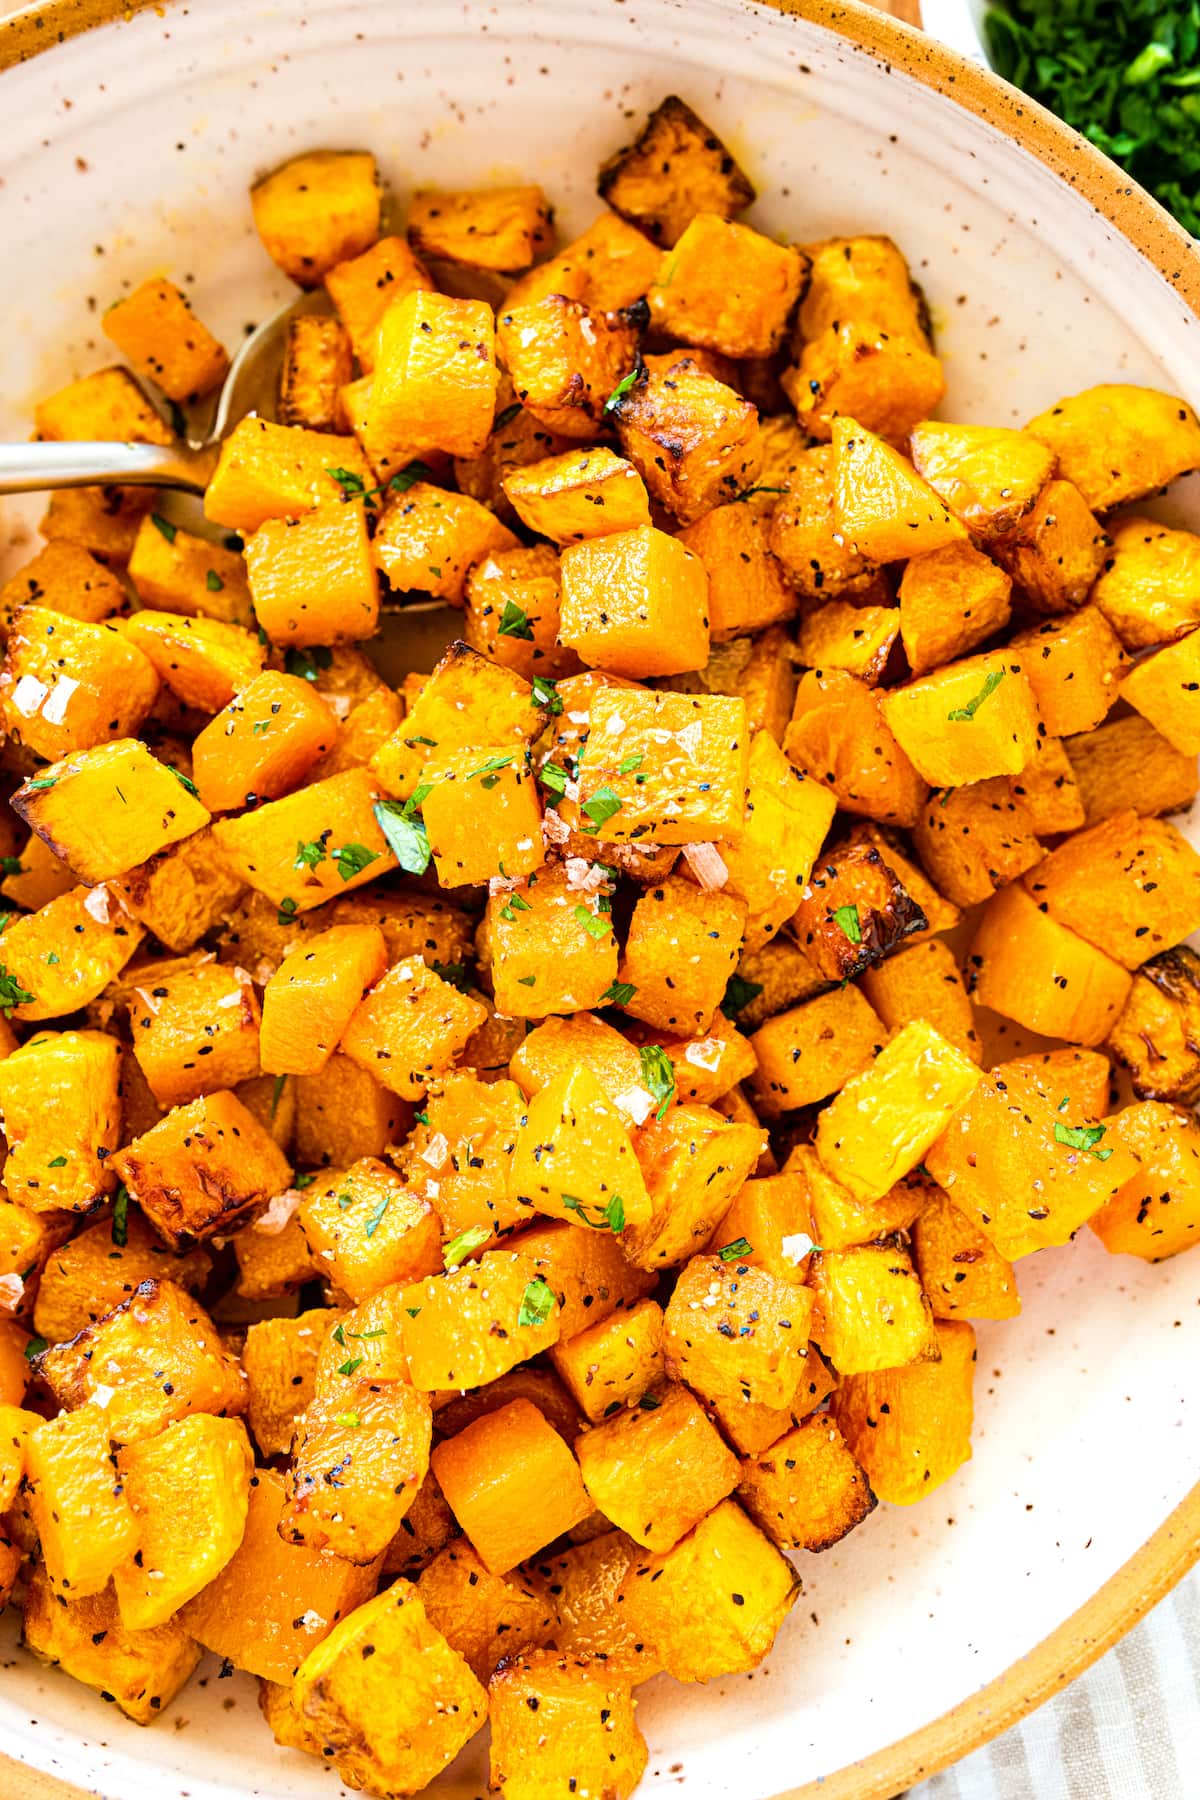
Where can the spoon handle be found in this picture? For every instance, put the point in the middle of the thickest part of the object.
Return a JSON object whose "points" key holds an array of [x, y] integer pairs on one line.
{"points": [[28, 468]]}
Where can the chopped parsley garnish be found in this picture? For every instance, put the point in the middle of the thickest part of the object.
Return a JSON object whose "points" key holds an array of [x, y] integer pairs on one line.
{"points": [[409, 475], [57, 1162], [277, 1093], [307, 664], [1082, 1137], [350, 1420], [185, 781], [514, 622], [11, 865], [629, 763], [658, 1076], [406, 836], [213, 582], [537, 1302], [623, 387], [595, 925], [491, 766], [546, 694], [11, 992], [352, 859], [287, 911], [353, 486], [310, 854], [600, 808], [376, 1219], [350, 1365], [165, 526], [120, 1217], [612, 1216], [734, 1252], [460, 1247], [738, 994], [34, 1347], [554, 778], [43, 781], [847, 920], [618, 993], [990, 684], [457, 974]]}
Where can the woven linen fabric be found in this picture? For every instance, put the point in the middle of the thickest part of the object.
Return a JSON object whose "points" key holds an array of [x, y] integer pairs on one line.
{"points": [[1128, 1729]]}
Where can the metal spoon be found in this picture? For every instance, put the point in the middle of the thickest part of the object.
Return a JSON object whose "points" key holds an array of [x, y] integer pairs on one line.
{"points": [[252, 384]]}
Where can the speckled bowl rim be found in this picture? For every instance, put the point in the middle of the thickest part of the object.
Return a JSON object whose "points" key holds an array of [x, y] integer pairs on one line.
{"points": [[1174, 1548]]}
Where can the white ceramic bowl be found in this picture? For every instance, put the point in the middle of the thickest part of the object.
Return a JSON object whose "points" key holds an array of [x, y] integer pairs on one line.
{"points": [[130, 149]]}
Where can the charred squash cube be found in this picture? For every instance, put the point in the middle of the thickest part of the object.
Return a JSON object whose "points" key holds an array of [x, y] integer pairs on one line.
{"points": [[584, 1722], [677, 168], [203, 1169], [583, 494], [910, 1427], [196, 1032], [67, 685], [410, 1026], [840, 635], [656, 1473], [807, 1052], [315, 210], [853, 912], [153, 1359], [725, 287], [807, 1491], [500, 228], [961, 1270], [393, 1718], [870, 1311], [1157, 1035], [317, 364], [60, 1100], [712, 1605], [90, 1275], [79, 1507], [1057, 551], [733, 1328], [693, 440], [975, 839], [680, 951], [1119, 443], [359, 1455], [565, 361], [989, 477], [142, 1670]]}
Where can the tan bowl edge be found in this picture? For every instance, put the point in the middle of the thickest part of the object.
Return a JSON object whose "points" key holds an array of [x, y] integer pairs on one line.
{"points": [[1174, 1548]]}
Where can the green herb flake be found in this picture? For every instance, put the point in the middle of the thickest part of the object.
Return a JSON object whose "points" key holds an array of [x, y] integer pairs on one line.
{"points": [[350, 1365], [514, 622], [738, 994], [537, 1302], [352, 859], [338, 1334], [847, 921], [406, 836], [1082, 1137], [554, 778], [120, 1217], [303, 1181], [612, 1216], [309, 855], [618, 993], [11, 992], [734, 1252], [658, 1076], [962, 714], [277, 1093], [601, 807], [353, 486], [260, 727], [213, 582], [43, 781], [376, 1219], [409, 477], [185, 781], [629, 763], [308, 664], [350, 1420], [34, 1348], [287, 911], [11, 865], [545, 694], [455, 1253], [623, 387], [596, 925], [491, 766], [165, 526], [57, 1162], [527, 980]]}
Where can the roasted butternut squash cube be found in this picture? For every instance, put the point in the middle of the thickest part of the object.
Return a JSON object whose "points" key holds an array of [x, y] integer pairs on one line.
{"points": [[747, 588], [725, 287], [1147, 588], [910, 1427], [681, 948], [310, 999], [268, 471], [61, 1105], [655, 1472], [429, 540], [989, 477], [1125, 765], [1048, 791], [581, 1586], [303, 849], [155, 328], [500, 228], [1024, 1160], [435, 379], [583, 494], [312, 579], [316, 210], [426, 1529], [962, 1272], [614, 1364], [787, 818], [204, 662], [840, 736], [263, 744], [368, 724], [104, 521], [989, 705], [182, 893], [477, 1321], [807, 1491], [142, 1670], [45, 984], [585, 1724], [363, 287], [107, 809], [360, 1453], [852, 912], [512, 1484], [573, 1158], [65, 578], [152, 1360], [1129, 886], [272, 1602], [196, 1032], [975, 839], [1119, 443], [878, 1128], [107, 405], [560, 1045], [280, 1360], [1164, 689], [694, 1162], [318, 362], [693, 439], [1157, 1213], [841, 1221], [923, 981], [951, 600], [768, 1226], [1157, 1036], [557, 954], [203, 1169], [733, 1328], [808, 1052], [713, 1603], [1057, 551], [468, 700], [610, 266], [93, 1273], [513, 598], [344, 1113], [177, 571], [16, 1426], [482, 815], [188, 1489], [840, 635], [751, 1429], [78, 1505], [861, 278], [367, 1229], [635, 603], [803, 531], [678, 167], [272, 1262], [410, 1026], [67, 685], [676, 763], [40, 877], [1025, 964], [487, 1618], [870, 1311], [1076, 668], [587, 1272], [885, 381], [461, 1157], [881, 505], [705, 1067]]}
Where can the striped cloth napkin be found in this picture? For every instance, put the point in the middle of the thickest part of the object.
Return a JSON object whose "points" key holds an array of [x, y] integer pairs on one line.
{"points": [[1129, 1729]]}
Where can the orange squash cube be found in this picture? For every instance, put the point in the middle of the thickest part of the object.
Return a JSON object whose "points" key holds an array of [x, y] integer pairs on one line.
{"points": [[182, 893], [808, 1052], [1055, 554], [803, 531], [204, 662], [263, 744], [482, 815], [312, 579], [588, 1273], [677, 763], [961, 1270], [1125, 765], [78, 1506], [410, 1026], [60, 1097], [975, 839], [155, 328], [656, 1472], [747, 587], [468, 700], [142, 1670], [49, 985], [363, 287], [344, 1113], [465, 1328], [203, 1169], [102, 521], [1119, 443], [767, 1227], [1156, 1213], [67, 579], [513, 599], [560, 1045], [92, 1273], [1028, 966], [67, 685], [1164, 689], [728, 288], [609, 266], [1076, 668], [360, 1453], [989, 477], [108, 405], [367, 1229], [317, 364], [178, 572], [694, 1162], [107, 809], [885, 381], [565, 361], [487, 1618], [196, 1032], [694, 441], [852, 912], [511, 1483], [555, 954], [310, 999], [316, 210], [268, 471], [840, 1221], [435, 380], [582, 494], [910, 1428], [870, 1311], [676, 168], [280, 1358], [924, 982], [635, 603], [840, 736], [429, 540], [951, 600], [461, 1157], [734, 1328], [585, 1723], [574, 1160], [500, 228], [881, 505], [614, 1364], [807, 1491], [1129, 886], [989, 706], [308, 846]]}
